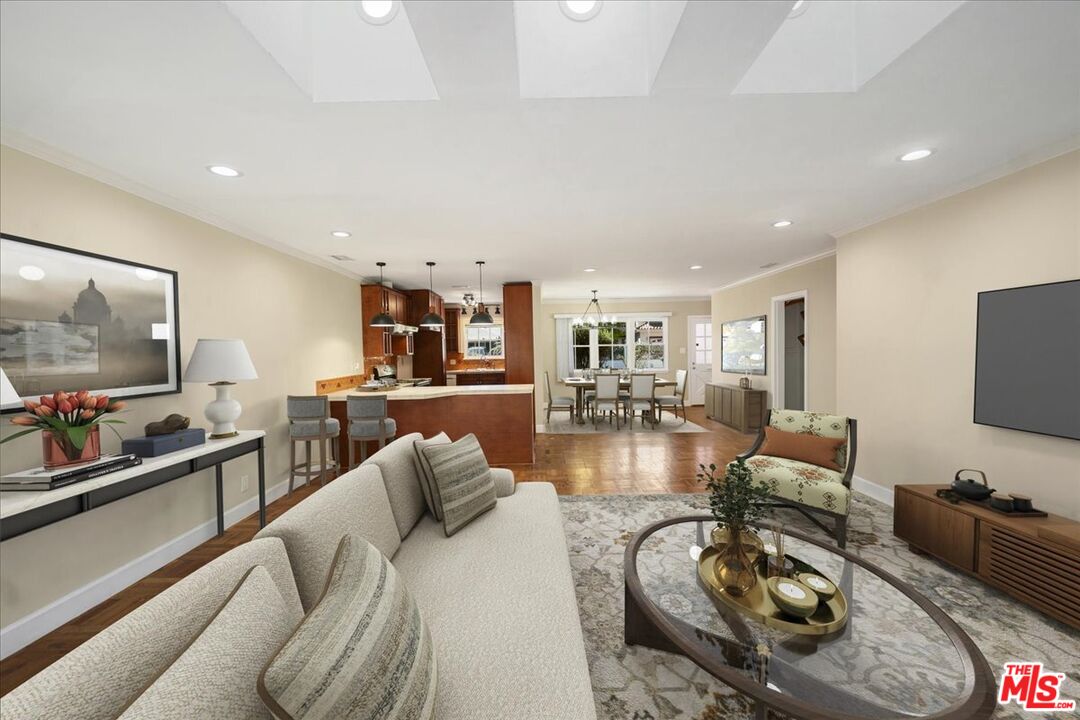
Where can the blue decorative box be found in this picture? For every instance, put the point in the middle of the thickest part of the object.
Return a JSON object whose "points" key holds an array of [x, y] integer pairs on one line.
{"points": [[154, 445]]}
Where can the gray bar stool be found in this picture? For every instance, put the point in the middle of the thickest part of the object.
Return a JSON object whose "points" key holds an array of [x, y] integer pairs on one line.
{"points": [[310, 421], [367, 421]]}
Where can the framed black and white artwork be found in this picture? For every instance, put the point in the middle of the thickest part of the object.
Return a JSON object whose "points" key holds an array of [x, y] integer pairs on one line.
{"points": [[72, 320]]}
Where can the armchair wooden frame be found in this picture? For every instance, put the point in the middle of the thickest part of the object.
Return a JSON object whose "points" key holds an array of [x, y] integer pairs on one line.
{"points": [[840, 521]]}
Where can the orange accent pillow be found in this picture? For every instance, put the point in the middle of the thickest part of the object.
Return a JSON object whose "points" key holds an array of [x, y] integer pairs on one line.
{"points": [[801, 446]]}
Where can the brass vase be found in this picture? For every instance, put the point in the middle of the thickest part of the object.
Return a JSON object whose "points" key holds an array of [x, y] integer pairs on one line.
{"points": [[736, 561]]}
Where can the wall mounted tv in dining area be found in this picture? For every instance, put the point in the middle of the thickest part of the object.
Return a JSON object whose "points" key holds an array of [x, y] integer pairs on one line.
{"points": [[1027, 359]]}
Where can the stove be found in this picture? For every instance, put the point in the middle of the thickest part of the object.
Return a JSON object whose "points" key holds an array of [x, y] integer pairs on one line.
{"points": [[387, 375]]}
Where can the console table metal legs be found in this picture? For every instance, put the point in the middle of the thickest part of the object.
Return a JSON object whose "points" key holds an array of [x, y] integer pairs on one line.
{"points": [[219, 482]]}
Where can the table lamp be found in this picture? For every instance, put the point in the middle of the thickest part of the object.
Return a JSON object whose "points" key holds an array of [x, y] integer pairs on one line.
{"points": [[9, 397], [221, 362]]}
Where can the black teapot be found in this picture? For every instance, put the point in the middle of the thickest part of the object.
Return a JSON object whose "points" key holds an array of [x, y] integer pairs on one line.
{"points": [[969, 489]]}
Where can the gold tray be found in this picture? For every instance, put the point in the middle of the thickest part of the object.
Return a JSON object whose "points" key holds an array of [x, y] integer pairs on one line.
{"points": [[829, 617]]}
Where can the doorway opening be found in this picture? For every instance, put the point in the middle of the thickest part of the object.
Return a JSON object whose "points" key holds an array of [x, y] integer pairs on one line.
{"points": [[789, 339], [699, 372]]}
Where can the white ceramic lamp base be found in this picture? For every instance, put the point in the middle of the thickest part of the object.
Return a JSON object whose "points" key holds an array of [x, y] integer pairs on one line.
{"points": [[222, 411]]}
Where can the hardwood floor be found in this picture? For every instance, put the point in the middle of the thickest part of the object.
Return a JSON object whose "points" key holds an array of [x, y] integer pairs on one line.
{"points": [[622, 463]]}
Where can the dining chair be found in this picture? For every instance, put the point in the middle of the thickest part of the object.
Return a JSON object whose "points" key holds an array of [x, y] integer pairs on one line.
{"points": [[310, 421], [368, 421], [590, 395], [676, 401], [642, 397], [607, 397], [556, 403]]}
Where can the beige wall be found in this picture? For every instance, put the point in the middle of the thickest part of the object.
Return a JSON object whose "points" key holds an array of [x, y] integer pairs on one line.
{"points": [[906, 293], [544, 334], [300, 322], [818, 279]]}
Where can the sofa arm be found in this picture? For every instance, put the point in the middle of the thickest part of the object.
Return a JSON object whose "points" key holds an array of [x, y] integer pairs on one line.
{"points": [[504, 481]]}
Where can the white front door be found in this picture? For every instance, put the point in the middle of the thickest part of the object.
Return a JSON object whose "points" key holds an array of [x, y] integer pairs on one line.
{"points": [[699, 333]]}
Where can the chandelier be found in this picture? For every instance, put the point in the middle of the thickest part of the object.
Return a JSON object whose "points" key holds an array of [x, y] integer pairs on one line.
{"points": [[597, 315]]}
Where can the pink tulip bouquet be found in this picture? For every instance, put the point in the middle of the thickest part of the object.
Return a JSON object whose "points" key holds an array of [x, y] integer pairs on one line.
{"points": [[69, 423]]}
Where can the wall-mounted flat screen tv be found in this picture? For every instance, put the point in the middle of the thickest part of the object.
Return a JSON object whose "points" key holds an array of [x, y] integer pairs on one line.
{"points": [[1027, 359]]}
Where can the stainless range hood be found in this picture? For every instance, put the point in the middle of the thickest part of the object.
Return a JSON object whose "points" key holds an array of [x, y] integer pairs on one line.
{"points": [[400, 329]]}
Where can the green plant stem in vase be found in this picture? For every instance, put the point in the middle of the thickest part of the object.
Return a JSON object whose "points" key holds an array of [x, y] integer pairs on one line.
{"points": [[736, 501], [69, 424]]}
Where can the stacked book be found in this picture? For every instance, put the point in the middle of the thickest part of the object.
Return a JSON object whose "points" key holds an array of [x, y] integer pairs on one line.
{"points": [[42, 479]]}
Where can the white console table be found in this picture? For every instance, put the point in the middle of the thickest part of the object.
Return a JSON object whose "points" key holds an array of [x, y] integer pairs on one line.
{"points": [[21, 512]]}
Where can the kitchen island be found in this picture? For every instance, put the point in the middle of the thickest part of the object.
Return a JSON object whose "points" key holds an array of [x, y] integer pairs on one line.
{"points": [[501, 416]]}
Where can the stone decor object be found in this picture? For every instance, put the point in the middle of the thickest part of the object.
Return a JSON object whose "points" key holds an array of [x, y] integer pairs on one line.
{"points": [[172, 423]]}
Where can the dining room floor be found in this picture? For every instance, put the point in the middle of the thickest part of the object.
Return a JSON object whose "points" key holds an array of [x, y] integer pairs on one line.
{"points": [[577, 464]]}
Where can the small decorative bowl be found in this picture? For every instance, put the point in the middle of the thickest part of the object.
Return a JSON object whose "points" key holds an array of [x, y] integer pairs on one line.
{"points": [[792, 596], [1001, 501], [1021, 503], [824, 589]]}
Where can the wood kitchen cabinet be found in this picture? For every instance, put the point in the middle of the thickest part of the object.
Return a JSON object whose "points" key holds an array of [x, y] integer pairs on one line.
{"points": [[740, 408], [429, 346], [373, 299], [452, 319]]}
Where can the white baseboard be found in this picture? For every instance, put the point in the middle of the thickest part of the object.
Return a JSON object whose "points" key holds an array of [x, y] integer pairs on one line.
{"points": [[872, 490], [27, 629]]}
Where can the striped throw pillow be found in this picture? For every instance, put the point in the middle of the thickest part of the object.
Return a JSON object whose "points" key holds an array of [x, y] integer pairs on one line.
{"points": [[362, 652], [463, 480]]}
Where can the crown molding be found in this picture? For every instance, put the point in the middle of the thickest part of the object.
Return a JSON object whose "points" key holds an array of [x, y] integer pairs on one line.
{"points": [[31, 146], [776, 270]]}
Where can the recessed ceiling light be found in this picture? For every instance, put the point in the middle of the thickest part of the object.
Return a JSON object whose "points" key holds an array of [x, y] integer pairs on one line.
{"points": [[341, 233], [916, 155], [590, 269], [781, 224], [377, 12], [798, 8], [224, 171], [31, 272], [695, 267], [580, 10]]}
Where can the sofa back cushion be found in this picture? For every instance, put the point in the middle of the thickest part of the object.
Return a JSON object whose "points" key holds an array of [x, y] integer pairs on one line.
{"points": [[355, 503], [362, 652], [402, 482], [96, 680], [813, 423], [216, 675]]}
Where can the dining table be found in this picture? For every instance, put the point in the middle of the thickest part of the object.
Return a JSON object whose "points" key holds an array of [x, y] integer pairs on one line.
{"points": [[580, 385]]}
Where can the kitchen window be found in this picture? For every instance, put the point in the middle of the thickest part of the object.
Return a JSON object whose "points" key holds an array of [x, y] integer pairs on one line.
{"points": [[484, 341], [639, 342]]}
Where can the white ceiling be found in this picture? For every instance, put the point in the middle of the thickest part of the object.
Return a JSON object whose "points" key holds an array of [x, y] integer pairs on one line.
{"points": [[641, 186]]}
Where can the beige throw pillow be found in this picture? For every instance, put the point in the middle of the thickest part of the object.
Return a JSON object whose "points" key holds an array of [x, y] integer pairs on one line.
{"points": [[423, 469], [362, 652], [463, 480]]}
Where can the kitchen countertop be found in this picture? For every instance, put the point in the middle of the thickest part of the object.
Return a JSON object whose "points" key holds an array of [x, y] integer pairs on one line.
{"points": [[429, 392], [477, 371]]}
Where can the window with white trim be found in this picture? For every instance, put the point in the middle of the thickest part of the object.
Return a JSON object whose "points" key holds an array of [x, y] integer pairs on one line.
{"points": [[483, 341], [638, 342]]}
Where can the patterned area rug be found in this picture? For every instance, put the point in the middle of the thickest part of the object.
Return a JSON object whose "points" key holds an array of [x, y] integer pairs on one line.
{"points": [[635, 683], [668, 424]]}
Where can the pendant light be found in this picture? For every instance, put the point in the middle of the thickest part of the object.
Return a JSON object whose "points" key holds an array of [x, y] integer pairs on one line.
{"points": [[432, 319], [383, 319], [593, 321], [483, 317]]}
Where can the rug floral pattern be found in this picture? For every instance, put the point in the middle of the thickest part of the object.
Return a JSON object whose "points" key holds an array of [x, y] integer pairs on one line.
{"points": [[635, 683]]}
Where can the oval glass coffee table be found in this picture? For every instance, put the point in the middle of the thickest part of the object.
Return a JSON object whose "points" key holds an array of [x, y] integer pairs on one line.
{"points": [[898, 655]]}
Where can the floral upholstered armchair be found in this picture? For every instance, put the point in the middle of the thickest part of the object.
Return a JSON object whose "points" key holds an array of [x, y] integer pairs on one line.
{"points": [[810, 489]]}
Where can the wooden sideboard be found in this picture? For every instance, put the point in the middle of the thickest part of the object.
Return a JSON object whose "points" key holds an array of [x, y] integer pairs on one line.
{"points": [[740, 408], [1036, 560]]}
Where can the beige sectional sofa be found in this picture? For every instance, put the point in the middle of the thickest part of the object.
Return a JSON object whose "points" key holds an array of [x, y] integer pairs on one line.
{"points": [[498, 597]]}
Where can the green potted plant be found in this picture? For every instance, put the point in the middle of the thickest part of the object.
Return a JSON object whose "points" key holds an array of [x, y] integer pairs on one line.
{"points": [[69, 425], [737, 503]]}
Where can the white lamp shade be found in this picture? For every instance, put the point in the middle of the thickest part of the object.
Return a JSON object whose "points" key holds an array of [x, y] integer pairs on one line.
{"points": [[8, 394], [219, 360]]}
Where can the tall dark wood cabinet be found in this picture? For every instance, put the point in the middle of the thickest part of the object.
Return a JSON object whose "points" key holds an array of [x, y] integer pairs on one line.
{"points": [[429, 346], [518, 332], [736, 407]]}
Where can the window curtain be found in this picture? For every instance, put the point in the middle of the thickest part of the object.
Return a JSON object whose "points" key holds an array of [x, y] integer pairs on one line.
{"points": [[562, 348]]}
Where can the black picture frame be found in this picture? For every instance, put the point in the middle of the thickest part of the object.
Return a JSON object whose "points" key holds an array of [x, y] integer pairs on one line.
{"points": [[171, 297], [763, 370]]}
